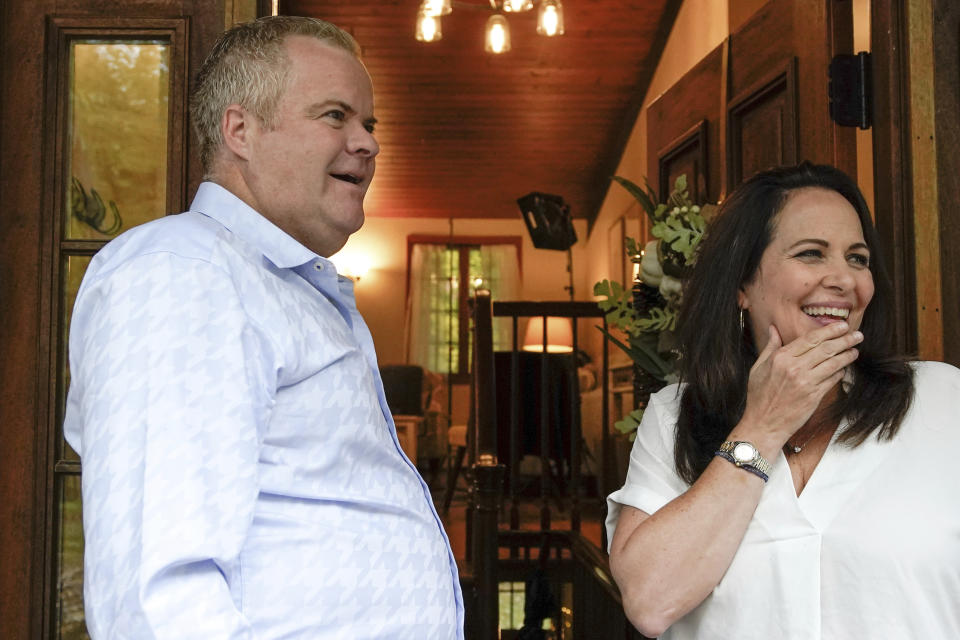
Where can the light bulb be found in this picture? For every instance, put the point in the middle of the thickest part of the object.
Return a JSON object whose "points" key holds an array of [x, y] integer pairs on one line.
{"points": [[498, 34], [428, 28], [550, 18]]}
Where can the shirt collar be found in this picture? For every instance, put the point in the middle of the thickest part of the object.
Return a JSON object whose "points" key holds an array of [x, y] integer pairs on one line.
{"points": [[243, 221]]}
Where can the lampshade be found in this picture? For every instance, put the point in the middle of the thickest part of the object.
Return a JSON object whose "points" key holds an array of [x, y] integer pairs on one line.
{"points": [[559, 335], [498, 35], [550, 18], [428, 27]]}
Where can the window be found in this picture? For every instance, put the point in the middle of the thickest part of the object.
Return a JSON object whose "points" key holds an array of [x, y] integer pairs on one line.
{"points": [[443, 273]]}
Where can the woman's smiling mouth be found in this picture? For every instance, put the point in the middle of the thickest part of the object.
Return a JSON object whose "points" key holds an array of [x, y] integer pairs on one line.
{"points": [[830, 313]]}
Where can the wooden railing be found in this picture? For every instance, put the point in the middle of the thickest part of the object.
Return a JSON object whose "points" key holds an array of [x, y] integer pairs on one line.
{"points": [[565, 555], [566, 558]]}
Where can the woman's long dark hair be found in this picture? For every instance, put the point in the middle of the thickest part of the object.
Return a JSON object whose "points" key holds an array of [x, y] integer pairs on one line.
{"points": [[717, 354]]}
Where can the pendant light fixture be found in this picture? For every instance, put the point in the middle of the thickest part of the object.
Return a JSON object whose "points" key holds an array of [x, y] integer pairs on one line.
{"points": [[498, 35], [550, 18], [497, 38], [428, 27]]}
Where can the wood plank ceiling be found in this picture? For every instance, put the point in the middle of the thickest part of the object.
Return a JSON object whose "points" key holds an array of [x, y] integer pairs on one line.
{"points": [[464, 133]]}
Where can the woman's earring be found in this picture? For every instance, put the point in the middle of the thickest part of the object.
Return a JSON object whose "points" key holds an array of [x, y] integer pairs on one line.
{"points": [[741, 320]]}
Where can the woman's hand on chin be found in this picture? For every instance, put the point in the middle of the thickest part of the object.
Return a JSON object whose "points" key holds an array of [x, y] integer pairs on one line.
{"points": [[788, 382]]}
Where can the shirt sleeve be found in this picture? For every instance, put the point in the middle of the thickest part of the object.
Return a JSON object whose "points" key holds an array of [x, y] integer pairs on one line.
{"points": [[652, 479], [172, 387]]}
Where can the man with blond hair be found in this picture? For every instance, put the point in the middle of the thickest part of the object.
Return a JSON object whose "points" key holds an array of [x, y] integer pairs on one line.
{"points": [[242, 476]]}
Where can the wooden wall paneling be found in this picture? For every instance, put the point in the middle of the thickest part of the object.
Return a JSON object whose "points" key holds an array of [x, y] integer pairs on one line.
{"points": [[808, 31], [690, 103], [21, 346], [892, 167], [687, 155], [923, 151], [946, 70], [762, 125]]}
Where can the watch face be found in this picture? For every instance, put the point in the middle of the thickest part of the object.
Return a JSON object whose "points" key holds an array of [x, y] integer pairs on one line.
{"points": [[744, 452]]}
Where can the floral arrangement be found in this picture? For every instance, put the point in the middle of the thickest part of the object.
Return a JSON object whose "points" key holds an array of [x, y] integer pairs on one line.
{"points": [[646, 311]]}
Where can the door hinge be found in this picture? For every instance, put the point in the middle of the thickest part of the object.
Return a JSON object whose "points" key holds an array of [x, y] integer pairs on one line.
{"points": [[851, 90]]}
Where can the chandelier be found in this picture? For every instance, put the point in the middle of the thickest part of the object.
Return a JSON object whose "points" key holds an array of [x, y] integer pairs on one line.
{"points": [[497, 40]]}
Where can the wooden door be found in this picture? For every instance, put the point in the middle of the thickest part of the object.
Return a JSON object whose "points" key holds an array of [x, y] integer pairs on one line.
{"points": [[916, 79], [757, 100], [66, 132]]}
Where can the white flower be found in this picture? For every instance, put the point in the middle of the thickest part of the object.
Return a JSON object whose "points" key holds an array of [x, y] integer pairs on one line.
{"points": [[650, 271], [670, 287]]}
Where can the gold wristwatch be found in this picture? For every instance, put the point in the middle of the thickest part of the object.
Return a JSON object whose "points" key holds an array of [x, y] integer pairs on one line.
{"points": [[744, 454]]}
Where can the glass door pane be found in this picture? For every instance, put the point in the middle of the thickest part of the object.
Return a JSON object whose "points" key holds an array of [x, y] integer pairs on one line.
{"points": [[118, 134], [72, 269], [70, 619], [117, 105]]}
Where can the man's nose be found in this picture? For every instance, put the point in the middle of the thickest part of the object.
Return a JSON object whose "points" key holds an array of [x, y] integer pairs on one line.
{"points": [[363, 142]]}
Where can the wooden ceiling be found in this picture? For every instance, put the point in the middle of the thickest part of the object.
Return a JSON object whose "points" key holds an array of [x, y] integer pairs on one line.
{"points": [[464, 133]]}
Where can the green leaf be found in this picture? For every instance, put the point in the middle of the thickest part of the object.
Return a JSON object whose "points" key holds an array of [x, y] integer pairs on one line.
{"points": [[659, 320], [601, 288], [630, 423], [645, 198], [643, 353]]}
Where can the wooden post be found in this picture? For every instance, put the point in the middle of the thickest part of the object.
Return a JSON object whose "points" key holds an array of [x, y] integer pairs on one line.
{"points": [[487, 475], [488, 488]]}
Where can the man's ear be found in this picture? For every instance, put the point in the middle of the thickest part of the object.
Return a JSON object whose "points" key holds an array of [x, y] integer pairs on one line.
{"points": [[238, 126]]}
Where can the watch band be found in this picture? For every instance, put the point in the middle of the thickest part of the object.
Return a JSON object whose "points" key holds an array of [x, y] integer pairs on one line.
{"points": [[746, 467]]}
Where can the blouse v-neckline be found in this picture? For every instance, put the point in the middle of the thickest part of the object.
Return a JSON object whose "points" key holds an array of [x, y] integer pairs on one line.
{"points": [[833, 481]]}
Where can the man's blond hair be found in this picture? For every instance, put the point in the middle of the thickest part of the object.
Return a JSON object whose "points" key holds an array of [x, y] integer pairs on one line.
{"points": [[249, 66]]}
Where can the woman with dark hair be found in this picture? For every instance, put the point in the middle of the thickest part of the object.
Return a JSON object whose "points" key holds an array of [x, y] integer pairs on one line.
{"points": [[799, 482]]}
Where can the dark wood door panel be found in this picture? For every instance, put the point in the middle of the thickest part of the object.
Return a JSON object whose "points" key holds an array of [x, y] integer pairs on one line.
{"points": [[946, 42], [683, 131], [763, 126], [686, 156], [805, 34]]}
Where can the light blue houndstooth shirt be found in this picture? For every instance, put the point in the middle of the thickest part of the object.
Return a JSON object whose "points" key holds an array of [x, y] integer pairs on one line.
{"points": [[242, 476]]}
